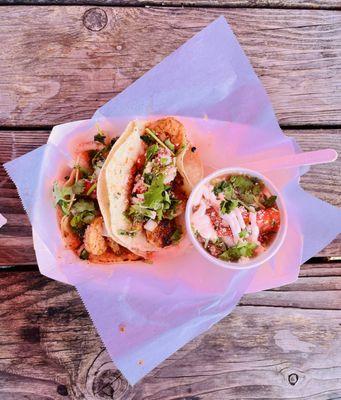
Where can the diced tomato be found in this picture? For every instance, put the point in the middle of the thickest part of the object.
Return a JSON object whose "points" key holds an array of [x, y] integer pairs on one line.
{"points": [[268, 220], [220, 227], [141, 160]]}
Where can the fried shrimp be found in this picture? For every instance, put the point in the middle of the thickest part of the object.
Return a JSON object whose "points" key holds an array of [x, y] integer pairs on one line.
{"points": [[94, 242], [71, 240]]}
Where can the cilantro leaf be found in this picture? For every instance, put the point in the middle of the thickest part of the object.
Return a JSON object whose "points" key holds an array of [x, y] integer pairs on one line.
{"points": [[257, 189], [270, 201], [153, 198], [61, 193], [234, 253], [148, 178], [62, 196], [220, 187], [176, 236], [242, 183], [138, 211], [124, 232], [82, 205], [84, 255], [147, 139], [151, 151], [243, 234], [100, 136], [226, 206], [78, 187], [78, 221], [248, 198]]}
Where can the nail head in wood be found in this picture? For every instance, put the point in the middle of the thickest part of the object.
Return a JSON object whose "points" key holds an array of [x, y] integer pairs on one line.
{"points": [[95, 19], [62, 390], [293, 379]]}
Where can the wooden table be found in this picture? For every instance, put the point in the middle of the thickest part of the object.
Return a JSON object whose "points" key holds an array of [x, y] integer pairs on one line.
{"points": [[60, 63]]}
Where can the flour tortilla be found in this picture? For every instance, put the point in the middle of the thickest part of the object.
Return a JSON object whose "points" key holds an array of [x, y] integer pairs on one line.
{"points": [[113, 185]]}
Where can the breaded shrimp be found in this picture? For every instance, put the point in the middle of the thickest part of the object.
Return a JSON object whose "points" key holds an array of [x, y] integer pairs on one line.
{"points": [[94, 242], [71, 240]]}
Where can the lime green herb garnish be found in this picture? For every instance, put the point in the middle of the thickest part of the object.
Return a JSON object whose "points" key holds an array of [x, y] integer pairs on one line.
{"points": [[234, 253], [226, 206], [154, 136]]}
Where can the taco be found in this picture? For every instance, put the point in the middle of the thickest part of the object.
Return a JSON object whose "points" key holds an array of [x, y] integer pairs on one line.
{"points": [[78, 212], [144, 185]]}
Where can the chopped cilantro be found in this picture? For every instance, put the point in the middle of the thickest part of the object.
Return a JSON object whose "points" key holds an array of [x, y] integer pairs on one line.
{"points": [[176, 236], [78, 221], [147, 139], [257, 189], [270, 201], [138, 211], [82, 205], [226, 206], [148, 178], [78, 187], [229, 193], [84, 255], [100, 136], [151, 151], [83, 212], [242, 183], [234, 253], [153, 198], [248, 198], [124, 232], [243, 234], [220, 187], [62, 196]]}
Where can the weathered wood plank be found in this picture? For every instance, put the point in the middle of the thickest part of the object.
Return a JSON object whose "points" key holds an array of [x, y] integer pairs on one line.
{"points": [[54, 69], [314, 4], [16, 246], [49, 348]]}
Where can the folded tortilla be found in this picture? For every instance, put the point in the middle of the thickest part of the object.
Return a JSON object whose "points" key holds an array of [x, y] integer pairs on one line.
{"points": [[113, 184]]}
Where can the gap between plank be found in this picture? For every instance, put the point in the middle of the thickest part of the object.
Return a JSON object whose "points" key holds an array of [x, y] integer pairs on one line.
{"points": [[34, 267], [22, 128], [162, 4]]}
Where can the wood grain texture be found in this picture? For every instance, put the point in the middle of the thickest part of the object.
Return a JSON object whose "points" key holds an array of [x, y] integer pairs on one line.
{"points": [[16, 247], [55, 69], [287, 349], [309, 4]]}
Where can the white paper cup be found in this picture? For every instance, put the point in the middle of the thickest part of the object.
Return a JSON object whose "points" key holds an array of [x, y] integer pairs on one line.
{"points": [[270, 251]]}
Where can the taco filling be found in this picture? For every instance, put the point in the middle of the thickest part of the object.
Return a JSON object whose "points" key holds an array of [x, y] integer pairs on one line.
{"points": [[78, 211], [148, 180], [157, 196], [235, 217]]}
